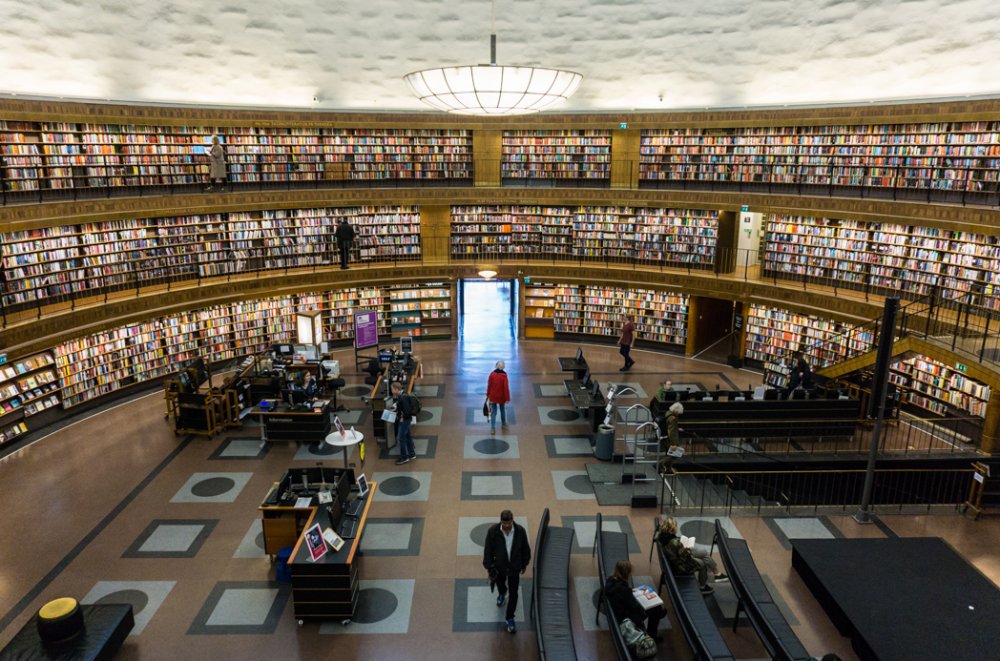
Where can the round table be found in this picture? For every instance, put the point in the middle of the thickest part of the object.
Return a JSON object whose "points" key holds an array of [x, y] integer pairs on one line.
{"points": [[350, 438]]}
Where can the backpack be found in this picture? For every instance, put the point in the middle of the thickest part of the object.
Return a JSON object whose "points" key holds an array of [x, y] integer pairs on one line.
{"points": [[641, 643], [415, 407]]}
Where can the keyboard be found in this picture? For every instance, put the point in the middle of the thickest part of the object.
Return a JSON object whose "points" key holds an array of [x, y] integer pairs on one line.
{"points": [[354, 507], [348, 528]]}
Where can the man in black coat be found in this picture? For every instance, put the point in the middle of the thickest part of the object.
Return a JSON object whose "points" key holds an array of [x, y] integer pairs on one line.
{"points": [[505, 556], [345, 237]]}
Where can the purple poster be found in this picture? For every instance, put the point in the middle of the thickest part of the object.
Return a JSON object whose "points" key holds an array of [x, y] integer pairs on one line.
{"points": [[365, 329]]}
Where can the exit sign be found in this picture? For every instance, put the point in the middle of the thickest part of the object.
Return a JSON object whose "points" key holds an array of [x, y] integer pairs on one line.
{"points": [[961, 367], [527, 280], [623, 125], [3, 358], [745, 207]]}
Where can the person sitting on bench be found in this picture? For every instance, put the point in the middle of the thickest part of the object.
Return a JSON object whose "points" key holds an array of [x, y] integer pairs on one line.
{"points": [[685, 560], [623, 603]]}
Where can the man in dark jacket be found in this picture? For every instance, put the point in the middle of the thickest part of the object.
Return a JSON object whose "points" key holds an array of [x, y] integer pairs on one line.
{"points": [[345, 237], [505, 556]]}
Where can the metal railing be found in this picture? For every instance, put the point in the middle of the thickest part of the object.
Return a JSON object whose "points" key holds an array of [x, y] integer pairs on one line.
{"points": [[828, 490]]}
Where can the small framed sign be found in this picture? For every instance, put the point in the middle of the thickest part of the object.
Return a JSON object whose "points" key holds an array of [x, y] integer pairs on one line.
{"points": [[314, 540]]}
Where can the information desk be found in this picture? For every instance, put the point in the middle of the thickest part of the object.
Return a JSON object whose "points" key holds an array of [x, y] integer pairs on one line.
{"points": [[283, 522], [376, 399], [328, 588], [283, 423]]}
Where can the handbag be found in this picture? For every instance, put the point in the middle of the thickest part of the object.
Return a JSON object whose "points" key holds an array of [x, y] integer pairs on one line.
{"points": [[636, 639], [486, 407]]}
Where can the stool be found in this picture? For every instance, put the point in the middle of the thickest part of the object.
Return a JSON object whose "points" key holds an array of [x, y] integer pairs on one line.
{"points": [[335, 385], [282, 572], [59, 620]]}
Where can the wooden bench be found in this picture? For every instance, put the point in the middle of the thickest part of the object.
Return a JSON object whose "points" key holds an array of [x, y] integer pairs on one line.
{"points": [[610, 548], [696, 621], [550, 592], [756, 601]]}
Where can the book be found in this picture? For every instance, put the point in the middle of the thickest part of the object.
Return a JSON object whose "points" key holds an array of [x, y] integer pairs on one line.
{"points": [[687, 542], [647, 597]]}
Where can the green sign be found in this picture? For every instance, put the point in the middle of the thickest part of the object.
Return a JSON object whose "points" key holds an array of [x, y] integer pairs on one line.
{"points": [[527, 280], [623, 125], [745, 207], [961, 367]]}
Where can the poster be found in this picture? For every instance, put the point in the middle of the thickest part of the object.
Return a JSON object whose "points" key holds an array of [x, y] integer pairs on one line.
{"points": [[314, 540], [365, 329]]}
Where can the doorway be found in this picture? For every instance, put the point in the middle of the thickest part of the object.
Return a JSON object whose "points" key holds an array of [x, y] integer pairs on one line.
{"points": [[711, 324], [487, 310]]}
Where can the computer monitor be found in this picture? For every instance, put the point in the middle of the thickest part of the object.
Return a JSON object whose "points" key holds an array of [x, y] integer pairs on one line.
{"points": [[595, 389], [585, 381], [406, 344], [334, 512], [294, 396], [284, 350], [771, 394], [362, 486], [579, 356]]}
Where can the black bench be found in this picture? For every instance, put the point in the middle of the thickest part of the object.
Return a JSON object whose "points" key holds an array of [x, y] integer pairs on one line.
{"points": [[764, 418], [696, 621], [756, 601], [106, 626], [610, 548], [550, 591]]}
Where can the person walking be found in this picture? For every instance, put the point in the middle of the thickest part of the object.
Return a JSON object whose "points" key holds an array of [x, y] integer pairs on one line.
{"points": [[506, 555], [498, 394], [403, 406], [671, 439], [345, 237], [216, 164], [625, 342], [618, 590]]}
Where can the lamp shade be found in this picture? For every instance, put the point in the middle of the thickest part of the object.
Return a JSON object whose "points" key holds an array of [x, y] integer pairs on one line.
{"points": [[490, 89]]}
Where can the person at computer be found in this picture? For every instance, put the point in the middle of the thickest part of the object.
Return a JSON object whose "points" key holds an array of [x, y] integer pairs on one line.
{"points": [[801, 374], [403, 406], [309, 385], [618, 590], [498, 394], [684, 560], [506, 555]]}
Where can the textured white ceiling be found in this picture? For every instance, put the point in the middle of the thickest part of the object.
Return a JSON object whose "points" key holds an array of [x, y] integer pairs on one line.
{"points": [[352, 54]]}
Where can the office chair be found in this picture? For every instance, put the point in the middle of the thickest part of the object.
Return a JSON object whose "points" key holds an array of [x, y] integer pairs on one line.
{"points": [[335, 385], [373, 370]]}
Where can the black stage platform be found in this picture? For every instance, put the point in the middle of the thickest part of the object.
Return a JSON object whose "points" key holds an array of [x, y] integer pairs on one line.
{"points": [[903, 599]]}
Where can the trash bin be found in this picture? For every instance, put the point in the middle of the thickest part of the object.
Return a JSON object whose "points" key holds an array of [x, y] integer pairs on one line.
{"points": [[282, 572], [604, 447]]}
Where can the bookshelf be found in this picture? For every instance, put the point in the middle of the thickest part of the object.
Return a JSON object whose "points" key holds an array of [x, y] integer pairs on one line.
{"points": [[931, 386], [422, 310], [77, 260], [774, 334], [885, 258], [556, 154], [594, 311], [38, 156], [681, 237], [943, 156], [539, 310], [27, 387]]}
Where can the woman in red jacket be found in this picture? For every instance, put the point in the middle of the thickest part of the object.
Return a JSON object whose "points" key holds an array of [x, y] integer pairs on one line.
{"points": [[497, 394]]}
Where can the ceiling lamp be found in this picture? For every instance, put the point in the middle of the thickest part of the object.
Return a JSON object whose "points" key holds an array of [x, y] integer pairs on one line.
{"points": [[487, 274], [489, 89]]}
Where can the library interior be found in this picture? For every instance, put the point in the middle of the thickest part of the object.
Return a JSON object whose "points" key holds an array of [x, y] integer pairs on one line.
{"points": [[255, 280]]}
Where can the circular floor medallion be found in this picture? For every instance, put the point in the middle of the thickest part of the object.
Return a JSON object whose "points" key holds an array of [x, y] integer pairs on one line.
{"points": [[491, 446], [137, 598], [213, 486], [375, 605], [399, 486], [579, 484], [563, 415]]}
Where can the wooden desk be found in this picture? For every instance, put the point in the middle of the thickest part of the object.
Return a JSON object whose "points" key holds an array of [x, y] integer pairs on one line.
{"points": [[285, 424], [282, 525], [328, 588]]}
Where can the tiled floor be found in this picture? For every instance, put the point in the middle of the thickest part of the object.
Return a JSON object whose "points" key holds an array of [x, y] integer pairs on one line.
{"points": [[116, 507]]}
